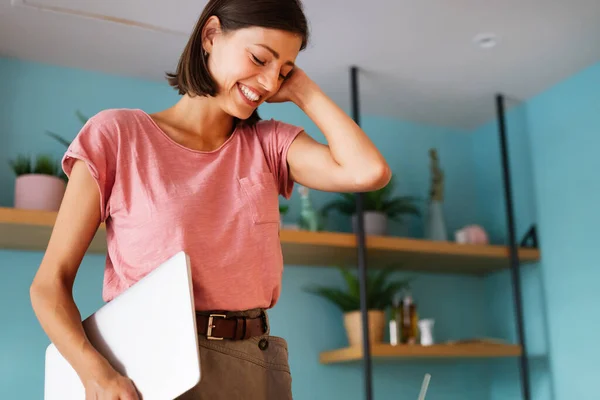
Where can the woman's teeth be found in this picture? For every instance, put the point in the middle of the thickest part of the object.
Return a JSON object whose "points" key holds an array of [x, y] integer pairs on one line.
{"points": [[250, 95]]}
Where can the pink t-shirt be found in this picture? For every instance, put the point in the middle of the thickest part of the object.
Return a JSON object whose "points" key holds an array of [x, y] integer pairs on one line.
{"points": [[221, 207]]}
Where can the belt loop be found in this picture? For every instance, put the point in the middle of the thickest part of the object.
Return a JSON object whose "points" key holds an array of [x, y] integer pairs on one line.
{"points": [[263, 317], [246, 331], [240, 328]]}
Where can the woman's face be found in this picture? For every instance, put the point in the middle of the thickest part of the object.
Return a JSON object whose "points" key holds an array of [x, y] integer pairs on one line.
{"points": [[249, 66]]}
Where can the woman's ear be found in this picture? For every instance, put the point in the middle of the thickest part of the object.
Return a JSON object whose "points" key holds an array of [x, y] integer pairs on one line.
{"points": [[210, 30]]}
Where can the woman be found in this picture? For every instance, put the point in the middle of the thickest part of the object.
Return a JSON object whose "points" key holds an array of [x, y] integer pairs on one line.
{"points": [[204, 176]]}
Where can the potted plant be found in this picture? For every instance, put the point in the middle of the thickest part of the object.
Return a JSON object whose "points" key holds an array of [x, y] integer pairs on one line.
{"points": [[378, 207], [380, 295], [39, 184]]}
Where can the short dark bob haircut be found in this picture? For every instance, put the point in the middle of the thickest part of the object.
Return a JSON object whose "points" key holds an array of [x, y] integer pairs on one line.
{"points": [[192, 76]]}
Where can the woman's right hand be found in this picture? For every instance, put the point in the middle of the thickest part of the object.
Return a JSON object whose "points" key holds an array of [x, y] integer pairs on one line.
{"points": [[110, 385]]}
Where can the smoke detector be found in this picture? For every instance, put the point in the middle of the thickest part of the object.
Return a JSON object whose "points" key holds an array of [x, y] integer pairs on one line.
{"points": [[486, 40]]}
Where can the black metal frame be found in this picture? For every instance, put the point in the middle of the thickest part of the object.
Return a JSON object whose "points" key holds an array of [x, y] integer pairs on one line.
{"points": [[512, 242], [362, 256], [513, 246]]}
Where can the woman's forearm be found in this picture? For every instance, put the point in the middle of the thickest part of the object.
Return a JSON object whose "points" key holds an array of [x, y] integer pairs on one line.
{"points": [[61, 320], [350, 147]]}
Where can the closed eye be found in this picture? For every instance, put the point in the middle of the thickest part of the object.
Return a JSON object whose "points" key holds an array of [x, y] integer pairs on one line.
{"points": [[262, 63], [257, 60]]}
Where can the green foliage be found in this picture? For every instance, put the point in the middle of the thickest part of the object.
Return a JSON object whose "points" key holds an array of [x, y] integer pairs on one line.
{"points": [[380, 291], [43, 164], [59, 138], [21, 165], [82, 118], [283, 209], [46, 166], [379, 200]]}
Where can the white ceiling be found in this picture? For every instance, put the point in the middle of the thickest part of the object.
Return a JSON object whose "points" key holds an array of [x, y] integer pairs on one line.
{"points": [[417, 58]]}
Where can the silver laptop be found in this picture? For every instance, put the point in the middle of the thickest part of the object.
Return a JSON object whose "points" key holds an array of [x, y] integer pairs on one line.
{"points": [[148, 333]]}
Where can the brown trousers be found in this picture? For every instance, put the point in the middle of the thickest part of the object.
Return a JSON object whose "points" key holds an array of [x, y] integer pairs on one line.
{"points": [[252, 369]]}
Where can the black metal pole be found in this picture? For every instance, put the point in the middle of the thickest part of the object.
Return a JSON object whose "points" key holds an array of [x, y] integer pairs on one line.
{"points": [[362, 262], [514, 255]]}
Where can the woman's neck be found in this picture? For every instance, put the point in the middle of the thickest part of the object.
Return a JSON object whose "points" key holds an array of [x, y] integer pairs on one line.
{"points": [[196, 119]]}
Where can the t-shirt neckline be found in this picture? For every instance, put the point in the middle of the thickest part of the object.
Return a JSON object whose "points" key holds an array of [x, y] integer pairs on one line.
{"points": [[173, 142]]}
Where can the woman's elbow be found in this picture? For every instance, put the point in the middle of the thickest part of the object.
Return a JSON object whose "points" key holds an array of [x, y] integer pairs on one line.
{"points": [[374, 179], [40, 291], [37, 293], [36, 296]]}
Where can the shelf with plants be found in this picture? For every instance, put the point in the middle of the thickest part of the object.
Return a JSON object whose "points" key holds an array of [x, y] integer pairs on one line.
{"points": [[306, 247], [23, 229], [510, 256], [381, 298]]}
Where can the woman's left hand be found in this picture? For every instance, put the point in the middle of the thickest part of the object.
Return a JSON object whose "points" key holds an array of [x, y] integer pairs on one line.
{"points": [[291, 88]]}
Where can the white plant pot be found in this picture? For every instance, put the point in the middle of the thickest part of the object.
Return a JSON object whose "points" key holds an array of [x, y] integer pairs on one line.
{"points": [[376, 223], [39, 192]]}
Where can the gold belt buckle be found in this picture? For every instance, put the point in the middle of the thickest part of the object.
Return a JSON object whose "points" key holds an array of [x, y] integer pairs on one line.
{"points": [[210, 326]]}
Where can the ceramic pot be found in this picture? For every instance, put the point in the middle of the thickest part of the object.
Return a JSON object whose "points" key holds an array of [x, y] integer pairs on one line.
{"points": [[39, 192], [353, 325], [436, 226], [376, 223]]}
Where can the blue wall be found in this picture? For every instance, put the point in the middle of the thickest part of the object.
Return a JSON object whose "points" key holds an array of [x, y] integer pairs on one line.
{"points": [[553, 144], [37, 97], [504, 374], [564, 125]]}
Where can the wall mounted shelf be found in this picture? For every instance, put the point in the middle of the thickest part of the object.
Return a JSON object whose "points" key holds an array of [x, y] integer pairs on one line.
{"points": [[387, 351], [30, 230]]}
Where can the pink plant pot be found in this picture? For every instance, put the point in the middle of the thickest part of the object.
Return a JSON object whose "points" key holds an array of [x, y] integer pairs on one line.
{"points": [[39, 192]]}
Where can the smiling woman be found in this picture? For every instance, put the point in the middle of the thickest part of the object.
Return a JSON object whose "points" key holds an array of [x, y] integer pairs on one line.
{"points": [[204, 176]]}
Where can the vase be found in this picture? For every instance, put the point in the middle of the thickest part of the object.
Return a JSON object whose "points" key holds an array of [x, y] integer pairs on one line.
{"points": [[426, 330], [376, 223], [435, 228], [353, 325], [39, 192]]}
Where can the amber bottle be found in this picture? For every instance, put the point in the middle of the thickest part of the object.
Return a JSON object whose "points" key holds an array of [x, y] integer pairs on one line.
{"points": [[409, 319]]}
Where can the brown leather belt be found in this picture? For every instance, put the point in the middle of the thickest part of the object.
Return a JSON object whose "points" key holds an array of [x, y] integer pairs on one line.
{"points": [[219, 326]]}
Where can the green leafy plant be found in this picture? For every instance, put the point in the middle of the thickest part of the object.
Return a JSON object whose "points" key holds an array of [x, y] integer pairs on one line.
{"points": [[283, 209], [82, 118], [21, 165], [380, 291], [380, 200], [43, 164]]}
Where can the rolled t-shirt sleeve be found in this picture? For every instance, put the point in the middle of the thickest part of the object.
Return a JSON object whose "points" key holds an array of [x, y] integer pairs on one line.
{"points": [[276, 138], [94, 146]]}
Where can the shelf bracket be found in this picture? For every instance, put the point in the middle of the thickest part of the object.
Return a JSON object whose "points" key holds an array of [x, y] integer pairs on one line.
{"points": [[514, 255], [361, 253]]}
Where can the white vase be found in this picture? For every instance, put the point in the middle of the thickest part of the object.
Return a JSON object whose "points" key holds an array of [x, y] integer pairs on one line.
{"points": [[435, 228], [376, 223], [426, 331]]}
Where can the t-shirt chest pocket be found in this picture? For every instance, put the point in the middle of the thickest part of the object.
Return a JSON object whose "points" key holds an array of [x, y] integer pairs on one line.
{"points": [[261, 197]]}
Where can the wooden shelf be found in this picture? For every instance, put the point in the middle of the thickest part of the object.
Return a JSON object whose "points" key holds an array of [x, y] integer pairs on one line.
{"points": [[30, 230], [329, 248], [387, 351]]}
